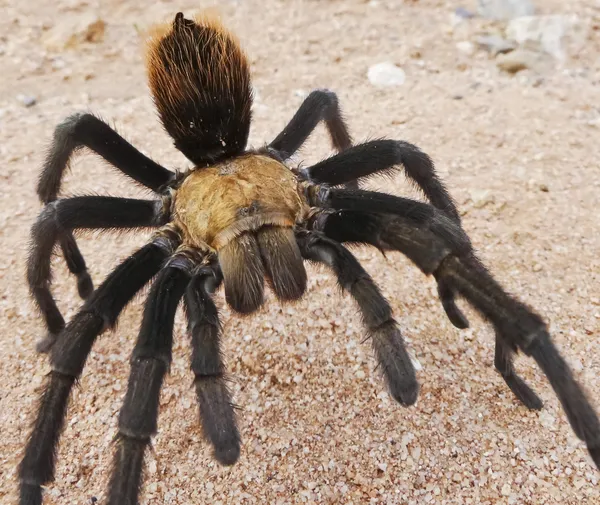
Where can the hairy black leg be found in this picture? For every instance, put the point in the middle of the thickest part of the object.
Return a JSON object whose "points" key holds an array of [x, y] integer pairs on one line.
{"points": [[85, 130], [414, 214], [76, 264], [376, 312], [382, 157], [516, 325], [503, 361], [319, 105], [214, 399], [521, 328], [150, 362], [448, 298], [60, 216], [421, 214], [70, 353], [80, 131]]}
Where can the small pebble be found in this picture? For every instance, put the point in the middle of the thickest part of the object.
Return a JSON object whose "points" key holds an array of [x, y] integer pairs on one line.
{"points": [[494, 44], [466, 47], [27, 100], [505, 9], [386, 74], [517, 60], [463, 13]]}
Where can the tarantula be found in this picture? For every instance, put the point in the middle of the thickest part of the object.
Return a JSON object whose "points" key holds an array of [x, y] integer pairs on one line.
{"points": [[237, 218]]}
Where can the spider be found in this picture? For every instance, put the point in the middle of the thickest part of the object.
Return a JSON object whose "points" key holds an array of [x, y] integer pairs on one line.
{"points": [[237, 218]]}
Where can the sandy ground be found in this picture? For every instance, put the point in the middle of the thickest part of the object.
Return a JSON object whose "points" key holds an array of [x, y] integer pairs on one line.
{"points": [[520, 155]]}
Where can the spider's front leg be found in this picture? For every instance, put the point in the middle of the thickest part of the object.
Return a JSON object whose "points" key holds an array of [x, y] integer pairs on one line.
{"points": [[376, 312], [214, 399], [439, 247], [150, 362], [360, 224], [70, 352]]}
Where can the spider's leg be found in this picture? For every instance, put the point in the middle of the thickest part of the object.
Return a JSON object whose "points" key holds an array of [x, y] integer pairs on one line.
{"points": [[87, 131], [382, 157], [437, 246], [425, 216], [376, 312], [66, 215], [76, 264], [394, 233], [68, 358], [503, 361], [150, 362], [319, 105], [214, 399]]}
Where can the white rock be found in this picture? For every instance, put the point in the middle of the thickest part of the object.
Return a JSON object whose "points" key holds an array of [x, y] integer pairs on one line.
{"points": [[505, 9], [386, 74], [551, 34], [466, 47], [27, 100]]}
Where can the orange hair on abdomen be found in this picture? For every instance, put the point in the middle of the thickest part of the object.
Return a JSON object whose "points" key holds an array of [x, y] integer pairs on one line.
{"points": [[200, 81]]}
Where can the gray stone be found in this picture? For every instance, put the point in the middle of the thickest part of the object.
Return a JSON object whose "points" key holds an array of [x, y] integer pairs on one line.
{"points": [[554, 34], [27, 100], [463, 13], [505, 9], [494, 44]]}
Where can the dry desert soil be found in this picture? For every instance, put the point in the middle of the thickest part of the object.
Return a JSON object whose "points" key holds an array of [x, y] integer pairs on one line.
{"points": [[519, 154]]}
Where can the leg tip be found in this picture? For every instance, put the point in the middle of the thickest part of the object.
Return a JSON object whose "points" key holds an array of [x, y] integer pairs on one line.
{"points": [[535, 404], [44, 345], [228, 454], [30, 494], [405, 394], [85, 286], [595, 454]]}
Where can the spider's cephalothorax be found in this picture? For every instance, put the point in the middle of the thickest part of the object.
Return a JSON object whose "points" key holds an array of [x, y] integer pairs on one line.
{"points": [[239, 218], [245, 209]]}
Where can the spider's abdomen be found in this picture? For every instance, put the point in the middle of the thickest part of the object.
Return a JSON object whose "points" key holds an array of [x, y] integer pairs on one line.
{"points": [[245, 209], [200, 81]]}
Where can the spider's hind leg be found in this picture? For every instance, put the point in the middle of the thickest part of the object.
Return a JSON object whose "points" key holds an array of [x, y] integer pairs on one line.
{"points": [[319, 105]]}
